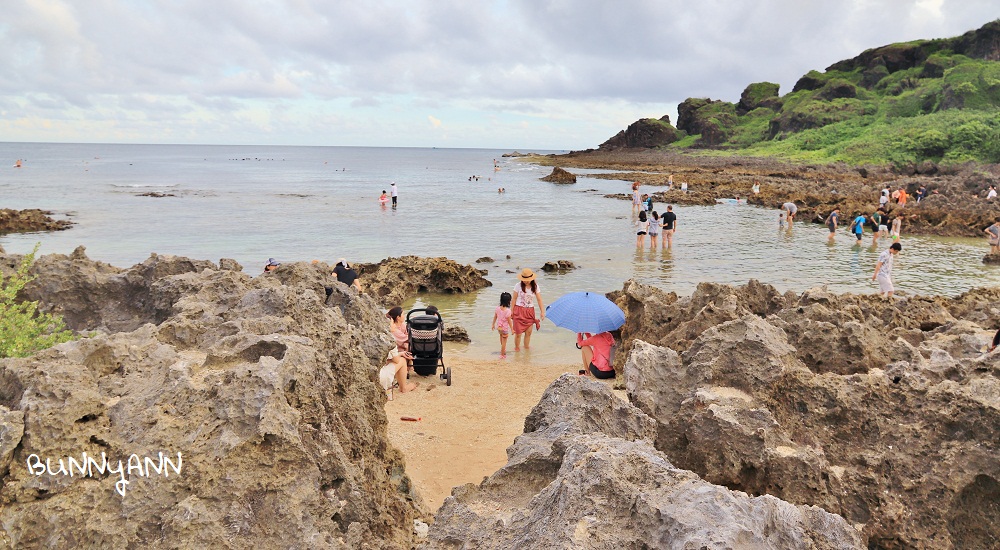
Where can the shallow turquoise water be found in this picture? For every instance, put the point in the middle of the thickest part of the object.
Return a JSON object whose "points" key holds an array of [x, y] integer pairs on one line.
{"points": [[304, 203]]}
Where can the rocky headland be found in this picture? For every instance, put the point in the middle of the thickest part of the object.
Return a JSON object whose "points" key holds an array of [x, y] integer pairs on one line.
{"points": [[29, 221], [755, 419]]}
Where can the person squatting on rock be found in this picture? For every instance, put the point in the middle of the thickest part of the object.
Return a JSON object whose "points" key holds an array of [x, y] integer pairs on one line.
{"points": [[596, 351], [525, 293], [271, 265]]}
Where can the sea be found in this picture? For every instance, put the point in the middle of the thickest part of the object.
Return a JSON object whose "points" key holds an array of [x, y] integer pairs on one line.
{"points": [[251, 203]]}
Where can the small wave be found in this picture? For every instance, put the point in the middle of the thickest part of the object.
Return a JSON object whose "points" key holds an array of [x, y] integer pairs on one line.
{"points": [[145, 185]]}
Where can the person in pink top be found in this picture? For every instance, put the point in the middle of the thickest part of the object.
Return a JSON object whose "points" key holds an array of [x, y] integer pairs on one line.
{"points": [[398, 327], [503, 322], [596, 351]]}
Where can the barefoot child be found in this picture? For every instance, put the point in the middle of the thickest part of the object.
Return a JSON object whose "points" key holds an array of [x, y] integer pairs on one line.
{"points": [[502, 322]]}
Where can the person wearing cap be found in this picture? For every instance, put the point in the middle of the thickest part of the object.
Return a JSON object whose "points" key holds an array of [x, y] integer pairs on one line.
{"points": [[272, 264], [394, 193], [525, 293], [346, 274]]}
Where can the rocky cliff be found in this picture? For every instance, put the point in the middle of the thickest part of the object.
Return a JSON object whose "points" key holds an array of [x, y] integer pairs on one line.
{"points": [[209, 409], [884, 413]]}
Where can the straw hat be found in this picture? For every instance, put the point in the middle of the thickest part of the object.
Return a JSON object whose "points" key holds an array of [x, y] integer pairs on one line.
{"points": [[527, 275]]}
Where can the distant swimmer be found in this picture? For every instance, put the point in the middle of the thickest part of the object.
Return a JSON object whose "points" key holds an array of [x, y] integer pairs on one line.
{"points": [[17, 164]]}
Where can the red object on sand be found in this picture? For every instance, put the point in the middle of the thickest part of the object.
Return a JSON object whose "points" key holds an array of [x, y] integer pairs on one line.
{"points": [[410, 418]]}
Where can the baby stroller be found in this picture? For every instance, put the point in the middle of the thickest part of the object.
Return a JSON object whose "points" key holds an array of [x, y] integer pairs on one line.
{"points": [[426, 332]]}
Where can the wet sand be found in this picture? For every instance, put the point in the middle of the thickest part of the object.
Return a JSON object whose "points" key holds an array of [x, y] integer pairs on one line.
{"points": [[465, 429]]}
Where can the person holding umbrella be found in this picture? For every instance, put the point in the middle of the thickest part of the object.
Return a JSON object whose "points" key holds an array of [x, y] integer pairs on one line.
{"points": [[593, 317], [525, 292]]}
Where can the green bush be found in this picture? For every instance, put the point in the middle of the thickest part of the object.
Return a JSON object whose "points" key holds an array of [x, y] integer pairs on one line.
{"points": [[23, 329]]}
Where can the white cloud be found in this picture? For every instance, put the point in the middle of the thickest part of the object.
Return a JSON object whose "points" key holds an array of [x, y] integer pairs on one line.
{"points": [[587, 68]]}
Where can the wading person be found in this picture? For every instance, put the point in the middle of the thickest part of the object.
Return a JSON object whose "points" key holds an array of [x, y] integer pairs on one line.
{"points": [[883, 269], [525, 293]]}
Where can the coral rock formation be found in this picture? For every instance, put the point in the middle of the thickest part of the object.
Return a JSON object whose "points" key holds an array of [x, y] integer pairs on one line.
{"points": [[262, 390]]}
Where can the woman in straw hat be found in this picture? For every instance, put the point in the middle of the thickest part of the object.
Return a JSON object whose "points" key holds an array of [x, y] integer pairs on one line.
{"points": [[525, 293]]}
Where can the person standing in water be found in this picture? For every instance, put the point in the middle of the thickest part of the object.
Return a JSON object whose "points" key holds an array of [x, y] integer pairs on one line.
{"points": [[642, 230], [790, 209], [394, 192], [635, 196], [858, 225], [525, 293], [993, 236], [669, 224], [832, 221], [654, 229], [883, 269]]}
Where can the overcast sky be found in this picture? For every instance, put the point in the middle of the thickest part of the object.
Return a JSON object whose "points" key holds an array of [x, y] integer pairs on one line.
{"points": [[516, 74]]}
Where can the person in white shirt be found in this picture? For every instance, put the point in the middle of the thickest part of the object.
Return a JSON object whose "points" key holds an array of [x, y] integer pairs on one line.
{"points": [[883, 269]]}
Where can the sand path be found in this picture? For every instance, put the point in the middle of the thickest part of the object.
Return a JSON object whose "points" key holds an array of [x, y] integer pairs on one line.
{"points": [[465, 429]]}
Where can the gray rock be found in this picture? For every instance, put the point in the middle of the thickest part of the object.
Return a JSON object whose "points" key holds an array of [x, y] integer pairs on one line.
{"points": [[585, 475], [266, 388]]}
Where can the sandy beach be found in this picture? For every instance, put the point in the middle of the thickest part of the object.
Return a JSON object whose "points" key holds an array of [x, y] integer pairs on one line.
{"points": [[466, 428]]}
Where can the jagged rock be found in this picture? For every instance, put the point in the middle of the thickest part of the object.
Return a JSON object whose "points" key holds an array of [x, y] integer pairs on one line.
{"points": [[229, 264], [266, 387], [560, 265], [559, 175], [851, 403], [645, 133], [394, 280], [585, 462], [991, 258], [455, 333], [30, 220], [485, 260]]}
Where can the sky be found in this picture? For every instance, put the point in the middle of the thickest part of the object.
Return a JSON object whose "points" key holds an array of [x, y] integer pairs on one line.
{"points": [[506, 74]]}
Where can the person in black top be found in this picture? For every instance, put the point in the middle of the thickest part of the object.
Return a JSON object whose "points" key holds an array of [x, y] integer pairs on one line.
{"points": [[346, 274], [669, 223]]}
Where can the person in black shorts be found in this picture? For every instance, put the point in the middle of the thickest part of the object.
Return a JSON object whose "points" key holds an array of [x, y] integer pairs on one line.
{"points": [[668, 221]]}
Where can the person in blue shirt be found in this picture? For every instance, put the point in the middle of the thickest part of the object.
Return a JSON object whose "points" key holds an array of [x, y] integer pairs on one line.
{"points": [[858, 225]]}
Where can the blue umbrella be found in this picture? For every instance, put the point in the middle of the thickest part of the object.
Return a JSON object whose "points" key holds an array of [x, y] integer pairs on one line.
{"points": [[585, 312]]}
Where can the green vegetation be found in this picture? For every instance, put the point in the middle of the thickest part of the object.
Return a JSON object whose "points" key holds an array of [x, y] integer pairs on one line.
{"points": [[935, 100], [23, 329]]}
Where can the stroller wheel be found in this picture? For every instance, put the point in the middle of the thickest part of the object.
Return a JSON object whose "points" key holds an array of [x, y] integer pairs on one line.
{"points": [[448, 374]]}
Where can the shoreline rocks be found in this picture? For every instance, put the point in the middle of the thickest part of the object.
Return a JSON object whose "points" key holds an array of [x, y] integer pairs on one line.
{"points": [[955, 205], [860, 406], [585, 470], [265, 387], [30, 220], [394, 280], [559, 175]]}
